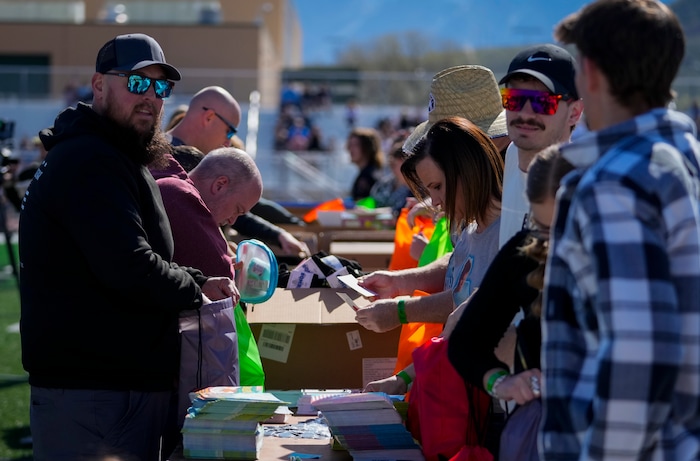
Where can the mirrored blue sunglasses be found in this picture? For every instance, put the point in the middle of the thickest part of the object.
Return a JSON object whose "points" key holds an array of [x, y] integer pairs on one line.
{"points": [[138, 84]]}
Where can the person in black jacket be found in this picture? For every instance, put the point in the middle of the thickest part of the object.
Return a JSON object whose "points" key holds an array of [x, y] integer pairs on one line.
{"points": [[100, 296], [513, 281]]}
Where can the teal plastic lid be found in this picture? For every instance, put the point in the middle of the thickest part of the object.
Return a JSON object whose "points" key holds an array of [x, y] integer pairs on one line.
{"points": [[257, 279]]}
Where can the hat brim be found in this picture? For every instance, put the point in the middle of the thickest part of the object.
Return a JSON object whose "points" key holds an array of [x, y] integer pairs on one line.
{"points": [[171, 73], [494, 129], [497, 128], [416, 135]]}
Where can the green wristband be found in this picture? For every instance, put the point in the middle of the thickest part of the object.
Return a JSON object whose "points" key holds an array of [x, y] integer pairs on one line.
{"points": [[496, 376], [403, 375], [402, 312]]}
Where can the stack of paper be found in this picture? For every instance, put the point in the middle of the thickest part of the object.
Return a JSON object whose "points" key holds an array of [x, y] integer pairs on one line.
{"points": [[308, 397], [369, 427], [224, 422]]}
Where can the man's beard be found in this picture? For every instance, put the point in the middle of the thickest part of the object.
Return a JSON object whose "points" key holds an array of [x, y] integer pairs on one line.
{"points": [[156, 149], [148, 146]]}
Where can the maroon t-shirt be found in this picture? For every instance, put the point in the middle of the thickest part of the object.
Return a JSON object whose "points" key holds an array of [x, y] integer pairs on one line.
{"points": [[199, 242]]}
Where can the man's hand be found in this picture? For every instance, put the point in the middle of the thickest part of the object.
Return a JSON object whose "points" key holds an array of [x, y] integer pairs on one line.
{"points": [[290, 245], [221, 287], [380, 316]]}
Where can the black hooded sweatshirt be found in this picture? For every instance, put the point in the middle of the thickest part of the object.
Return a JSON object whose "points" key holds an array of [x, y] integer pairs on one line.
{"points": [[100, 296]]}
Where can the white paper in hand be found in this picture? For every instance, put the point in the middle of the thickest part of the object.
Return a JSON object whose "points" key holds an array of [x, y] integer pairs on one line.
{"points": [[351, 282]]}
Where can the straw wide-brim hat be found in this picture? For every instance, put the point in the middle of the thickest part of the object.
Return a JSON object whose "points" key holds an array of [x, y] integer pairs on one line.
{"points": [[470, 92]]}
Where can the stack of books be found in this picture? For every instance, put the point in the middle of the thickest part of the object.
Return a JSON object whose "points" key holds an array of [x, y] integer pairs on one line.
{"points": [[224, 422], [369, 427]]}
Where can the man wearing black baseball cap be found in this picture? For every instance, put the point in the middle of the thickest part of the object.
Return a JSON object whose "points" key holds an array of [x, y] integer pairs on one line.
{"points": [[550, 64], [542, 108], [100, 297], [133, 52]]}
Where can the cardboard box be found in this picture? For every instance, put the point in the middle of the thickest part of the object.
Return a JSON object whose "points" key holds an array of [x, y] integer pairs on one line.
{"points": [[309, 339]]}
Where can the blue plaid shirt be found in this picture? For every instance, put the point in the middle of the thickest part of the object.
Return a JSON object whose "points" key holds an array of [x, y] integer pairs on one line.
{"points": [[621, 324]]}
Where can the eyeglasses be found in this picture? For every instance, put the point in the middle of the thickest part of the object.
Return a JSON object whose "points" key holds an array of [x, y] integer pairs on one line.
{"points": [[138, 84], [542, 102], [232, 130]]}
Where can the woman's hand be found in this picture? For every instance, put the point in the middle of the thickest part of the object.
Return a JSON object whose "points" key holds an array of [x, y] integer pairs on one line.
{"points": [[380, 316], [521, 387], [381, 282], [419, 209], [393, 385], [418, 244]]}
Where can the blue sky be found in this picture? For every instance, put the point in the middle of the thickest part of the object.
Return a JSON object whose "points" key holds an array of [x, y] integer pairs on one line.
{"points": [[330, 25]]}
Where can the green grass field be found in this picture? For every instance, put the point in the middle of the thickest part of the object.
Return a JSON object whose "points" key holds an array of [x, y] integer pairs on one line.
{"points": [[14, 389]]}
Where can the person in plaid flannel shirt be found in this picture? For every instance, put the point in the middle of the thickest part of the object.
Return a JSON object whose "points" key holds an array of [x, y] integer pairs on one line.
{"points": [[621, 324]]}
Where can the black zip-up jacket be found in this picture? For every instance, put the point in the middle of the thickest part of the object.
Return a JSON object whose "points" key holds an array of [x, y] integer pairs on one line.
{"points": [[100, 296], [503, 292]]}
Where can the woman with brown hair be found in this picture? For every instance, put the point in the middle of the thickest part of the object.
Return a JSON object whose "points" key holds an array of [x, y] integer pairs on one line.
{"points": [[459, 170], [458, 167], [365, 148]]}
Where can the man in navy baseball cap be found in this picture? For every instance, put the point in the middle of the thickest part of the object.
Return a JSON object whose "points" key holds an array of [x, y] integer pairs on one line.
{"points": [[133, 52], [100, 337]]}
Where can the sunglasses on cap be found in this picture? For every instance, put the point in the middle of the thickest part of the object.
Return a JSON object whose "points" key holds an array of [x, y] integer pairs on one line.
{"points": [[542, 102], [138, 84], [232, 130]]}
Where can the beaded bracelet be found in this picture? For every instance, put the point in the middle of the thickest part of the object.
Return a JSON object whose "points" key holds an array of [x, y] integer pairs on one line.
{"points": [[402, 312], [494, 380], [403, 375]]}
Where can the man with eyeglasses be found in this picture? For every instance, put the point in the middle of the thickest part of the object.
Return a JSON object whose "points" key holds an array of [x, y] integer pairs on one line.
{"points": [[211, 122], [100, 297], [542, 108]]}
